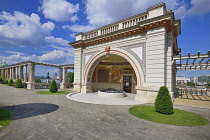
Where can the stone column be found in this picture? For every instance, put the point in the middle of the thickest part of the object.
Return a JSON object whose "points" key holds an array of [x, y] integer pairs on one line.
{"points": [[21, 72], [7, 73], [13, 73], [60, 75], [17, 76], [64, 82], [3, 73], [25, 73], [31, 83], [10, 77]]}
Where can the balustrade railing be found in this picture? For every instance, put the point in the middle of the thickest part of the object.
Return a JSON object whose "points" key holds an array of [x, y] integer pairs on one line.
{"points": [[194, 91], [47, 85], [44, 85], [132, 21]]}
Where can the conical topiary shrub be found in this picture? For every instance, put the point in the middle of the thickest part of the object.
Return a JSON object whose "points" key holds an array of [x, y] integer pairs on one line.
{"points": [[53, 87], [163, 102], [18, 84], [10, 82]]}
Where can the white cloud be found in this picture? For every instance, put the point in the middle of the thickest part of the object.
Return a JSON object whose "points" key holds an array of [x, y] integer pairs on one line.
{"points": [[199, 7], [79, 28], [54, 57], [22, 30], [180, 12], [59, 10], [60, 41], [66, 49], [105, 11], [14, 52]]}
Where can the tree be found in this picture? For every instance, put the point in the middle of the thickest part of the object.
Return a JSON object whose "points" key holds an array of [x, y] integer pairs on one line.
{"points": [[163, 102], [70, 77], [37, 80], [10, 82], [53, 87], [18, 84], [191, 84]]}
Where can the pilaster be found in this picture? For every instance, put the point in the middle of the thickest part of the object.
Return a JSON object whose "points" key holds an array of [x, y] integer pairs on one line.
{"points": [[78, 69]]}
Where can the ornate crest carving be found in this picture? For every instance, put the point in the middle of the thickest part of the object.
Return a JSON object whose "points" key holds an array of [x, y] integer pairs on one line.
{"points": [[107, 49]]}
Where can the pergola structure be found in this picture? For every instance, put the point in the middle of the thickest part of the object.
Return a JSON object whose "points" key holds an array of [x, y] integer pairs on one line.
{"points": [[20, 71], [193, 62]]}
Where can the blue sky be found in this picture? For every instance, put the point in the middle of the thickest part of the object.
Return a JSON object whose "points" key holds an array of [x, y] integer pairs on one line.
{"points": [[40, 30]]}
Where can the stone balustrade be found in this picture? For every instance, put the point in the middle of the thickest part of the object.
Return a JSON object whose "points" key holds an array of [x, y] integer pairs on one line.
{"points": [[126, 23]]}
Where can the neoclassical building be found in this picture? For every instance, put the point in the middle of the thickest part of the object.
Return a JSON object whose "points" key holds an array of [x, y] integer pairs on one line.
{"points": [[134, 54]]}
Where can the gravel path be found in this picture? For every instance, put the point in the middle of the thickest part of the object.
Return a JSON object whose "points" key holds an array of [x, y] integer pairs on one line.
{"points": [[54, 117]]}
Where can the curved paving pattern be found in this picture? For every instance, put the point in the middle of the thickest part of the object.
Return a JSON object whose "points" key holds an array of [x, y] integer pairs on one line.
{"points": [[67, 119]]}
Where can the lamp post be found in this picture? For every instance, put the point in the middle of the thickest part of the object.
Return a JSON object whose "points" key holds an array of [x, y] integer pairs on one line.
{"points": [[48, 77]]}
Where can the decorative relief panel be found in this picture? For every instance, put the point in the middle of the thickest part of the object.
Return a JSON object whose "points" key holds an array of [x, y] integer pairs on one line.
{"points": [[115, 75], [88, 57], [139, 52]]}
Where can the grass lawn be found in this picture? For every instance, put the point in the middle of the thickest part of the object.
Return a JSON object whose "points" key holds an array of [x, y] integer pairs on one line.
{"points": [[5, 84], [5, 117], [180, 117], [48, 92]]}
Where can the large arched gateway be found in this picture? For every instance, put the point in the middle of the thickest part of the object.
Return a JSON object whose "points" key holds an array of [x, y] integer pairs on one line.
{"points": [[114, 68], [134, 54]]}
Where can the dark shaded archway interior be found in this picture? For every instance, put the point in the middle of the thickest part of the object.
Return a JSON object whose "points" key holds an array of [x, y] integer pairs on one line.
{"points": [[113, 71]]}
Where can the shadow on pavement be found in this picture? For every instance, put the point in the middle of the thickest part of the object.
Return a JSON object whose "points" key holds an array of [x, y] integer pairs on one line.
{"points": [[33, 109]]}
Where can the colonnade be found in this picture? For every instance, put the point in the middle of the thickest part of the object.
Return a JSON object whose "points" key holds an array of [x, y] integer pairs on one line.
{"points": [[21, 71], [26, 72], [15, 72]]}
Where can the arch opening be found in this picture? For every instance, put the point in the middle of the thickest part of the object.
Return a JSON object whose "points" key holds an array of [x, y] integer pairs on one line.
{"points": [[112, 71]]}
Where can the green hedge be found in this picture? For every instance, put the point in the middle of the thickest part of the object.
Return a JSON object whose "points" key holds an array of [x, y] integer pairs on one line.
{"points": [[18, 83], [163, 102], [10, 82], [1, 79]]}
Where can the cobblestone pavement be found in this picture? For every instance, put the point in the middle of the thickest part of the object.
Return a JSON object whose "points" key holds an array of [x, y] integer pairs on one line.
{"points": [[54, 117]]}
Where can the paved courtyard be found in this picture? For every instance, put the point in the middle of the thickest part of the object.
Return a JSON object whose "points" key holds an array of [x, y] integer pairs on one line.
{"points": [[55, 117]]}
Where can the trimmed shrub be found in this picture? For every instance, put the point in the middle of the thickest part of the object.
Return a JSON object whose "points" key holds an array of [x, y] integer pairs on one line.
{"points": [[6, 82], [163, 102], [18, 84], [10, 82], [1, 79], [53, 87]]}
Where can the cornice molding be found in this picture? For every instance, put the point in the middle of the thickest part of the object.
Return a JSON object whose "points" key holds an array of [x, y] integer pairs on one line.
{"points": [[140, 29]]}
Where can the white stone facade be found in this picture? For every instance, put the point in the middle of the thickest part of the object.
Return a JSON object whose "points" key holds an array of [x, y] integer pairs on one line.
{"points": [[147, 41]]}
